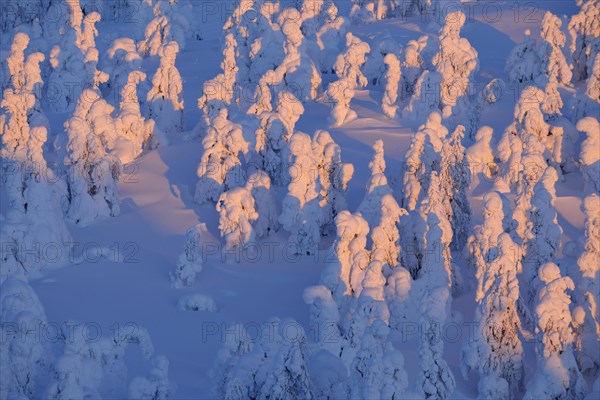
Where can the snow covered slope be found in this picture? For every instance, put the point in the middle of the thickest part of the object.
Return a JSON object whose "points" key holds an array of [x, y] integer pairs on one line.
{"points": [[461, 260]]}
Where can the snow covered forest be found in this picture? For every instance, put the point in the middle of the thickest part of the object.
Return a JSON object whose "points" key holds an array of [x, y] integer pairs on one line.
{"points": [[300, 199]]}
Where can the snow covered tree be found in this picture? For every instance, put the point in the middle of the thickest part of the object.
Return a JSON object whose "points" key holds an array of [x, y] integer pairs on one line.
{"points": [[587, 289], [480, 157], [555, 67], [170, 23], [275, 366], [588, 103], [524, 143], [219, 92], [523, 63], [584, 32], [483, 243], [363, 311], [34, 228], [155, 386], [340, 94], [344, 276], [34, 218], [435, 379], [15, 131], [543, 233], [456, 61], [133, 129], [422, 157], [273, 136], [397, 295], [301, 214], [589, 158], [386, 236], [412, 66], [392, 77], [425, 98], [324, 319], [228, 375], [496, 350], [297, 73], [259, 185], [23, 356], [120, 59], [74, 61], [310, 12], [166, 107], [377, 187], [329, 36], [368, 11], [220, 165], [557, 375], [455, 180], [375, 67], [93, 173], [190, 261], [347, 68], [334, 177], [237, 212], [87, 365], [377, 371], [16, 61]]}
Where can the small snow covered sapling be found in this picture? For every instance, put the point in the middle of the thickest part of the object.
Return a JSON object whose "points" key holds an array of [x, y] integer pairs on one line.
{"points": [[190, 261]]}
